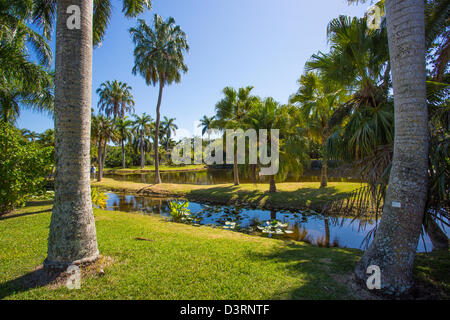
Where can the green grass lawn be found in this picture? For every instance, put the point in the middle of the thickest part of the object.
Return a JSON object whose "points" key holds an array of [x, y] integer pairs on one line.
{"points": [[290, 195], [185, 262], [162, 168]]}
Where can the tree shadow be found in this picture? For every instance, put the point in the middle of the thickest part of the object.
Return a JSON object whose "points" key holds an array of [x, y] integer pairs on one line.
{"points": [[17, 215], [317, 267], [40, 277]]}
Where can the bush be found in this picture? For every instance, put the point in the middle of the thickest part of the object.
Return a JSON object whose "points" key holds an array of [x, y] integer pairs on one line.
{"points": [[24, 167]]}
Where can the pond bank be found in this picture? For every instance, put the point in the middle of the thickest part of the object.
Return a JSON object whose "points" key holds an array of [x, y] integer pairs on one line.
{"points": [[186, 262], [151, 169], [290, 195]]}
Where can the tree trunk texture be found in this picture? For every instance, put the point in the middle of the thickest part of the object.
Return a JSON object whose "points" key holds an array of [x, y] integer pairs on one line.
{"points": [[394, 246], [158, 119], [72, 238]]}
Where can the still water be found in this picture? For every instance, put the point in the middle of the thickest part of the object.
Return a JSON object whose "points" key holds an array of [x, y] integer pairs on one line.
{"points": [[222, 176], [300, 226]]}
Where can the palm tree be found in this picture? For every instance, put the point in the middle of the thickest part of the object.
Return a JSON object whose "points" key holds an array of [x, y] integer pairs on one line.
{"points": [[318, 99], [395, 242], [102, 132], [72, 237], [269, 114], [123, 129], [115, 99], [142, 126], [23, 84], [169, 126], [47, 138], [159, 58], [230, 113], [206, 124]]}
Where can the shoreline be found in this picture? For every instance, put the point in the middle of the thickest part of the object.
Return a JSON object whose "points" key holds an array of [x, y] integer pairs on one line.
{"points": [[289, 197]]}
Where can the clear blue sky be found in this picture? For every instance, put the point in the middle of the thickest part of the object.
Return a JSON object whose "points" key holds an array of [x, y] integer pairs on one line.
{"points": [[263, 43]]}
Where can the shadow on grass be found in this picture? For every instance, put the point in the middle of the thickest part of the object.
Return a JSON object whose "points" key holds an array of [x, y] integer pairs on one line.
{"points": [[35, 279], [24, 214], [316, 267]]}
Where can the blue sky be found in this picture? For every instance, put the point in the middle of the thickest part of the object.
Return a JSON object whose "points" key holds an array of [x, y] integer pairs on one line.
{"points": [[263, 43]]}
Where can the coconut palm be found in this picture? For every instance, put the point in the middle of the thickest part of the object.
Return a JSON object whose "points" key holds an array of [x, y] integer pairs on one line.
{"points": [[230, 113], [395, 242], [72, 235], [115, 99], [142, 128], [123, 129], [159, 58], [318, 99], [169, 127]]}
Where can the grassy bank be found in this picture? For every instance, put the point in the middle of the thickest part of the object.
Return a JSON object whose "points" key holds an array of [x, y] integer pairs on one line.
{"points": [[293, 196], [186, 262], [149, 169]]}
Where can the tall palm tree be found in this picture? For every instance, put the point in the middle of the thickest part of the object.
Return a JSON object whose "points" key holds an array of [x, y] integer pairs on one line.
{"points": [[102, 131], [159, 58], [142, 127], [116, 99], [318, 99], [206, 124], [72, 237], [123, 129], [230, 113], [169, 127], [395, 242]]}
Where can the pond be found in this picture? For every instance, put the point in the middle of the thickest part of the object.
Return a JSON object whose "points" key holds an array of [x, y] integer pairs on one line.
{"points": [[218, 176], [311, 227]]}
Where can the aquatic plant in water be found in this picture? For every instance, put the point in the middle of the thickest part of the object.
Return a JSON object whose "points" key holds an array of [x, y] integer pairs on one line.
{"points": [[274, 227]]}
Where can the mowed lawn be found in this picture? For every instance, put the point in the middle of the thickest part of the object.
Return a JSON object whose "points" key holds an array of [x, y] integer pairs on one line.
{"points": [[181, 262], [289, 195]]}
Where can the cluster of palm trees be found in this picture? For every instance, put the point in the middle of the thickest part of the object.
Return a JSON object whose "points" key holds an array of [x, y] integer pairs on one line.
{"points": [[239, 109], [139, 132]]}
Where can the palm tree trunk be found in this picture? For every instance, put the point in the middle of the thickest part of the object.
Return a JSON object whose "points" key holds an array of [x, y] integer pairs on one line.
{"points": [[323, 173], [395, 243], [100, 161], [273, 187], [103, 159], [158, 119], [142, 151], [123, 154], [72, 238], [235, 168], [327, 232]]}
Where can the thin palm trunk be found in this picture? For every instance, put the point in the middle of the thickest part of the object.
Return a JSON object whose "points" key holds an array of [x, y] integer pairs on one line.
{"points": [[123, 154], [158, 119], [327, 232], [323, 173], [100, 161], [235, 168], [72, 238], [273, 186], [395, 243], [142, 151]]}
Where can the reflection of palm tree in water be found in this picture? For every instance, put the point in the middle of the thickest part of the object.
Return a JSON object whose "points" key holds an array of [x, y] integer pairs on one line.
{"points": [[273, 215]]}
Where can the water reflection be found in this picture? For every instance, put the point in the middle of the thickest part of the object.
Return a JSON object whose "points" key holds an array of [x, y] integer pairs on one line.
{"points": [[211, 177], [323, 231]]}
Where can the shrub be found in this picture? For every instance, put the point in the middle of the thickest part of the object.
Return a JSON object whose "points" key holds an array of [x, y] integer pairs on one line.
{"points": [[24, 167]]}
